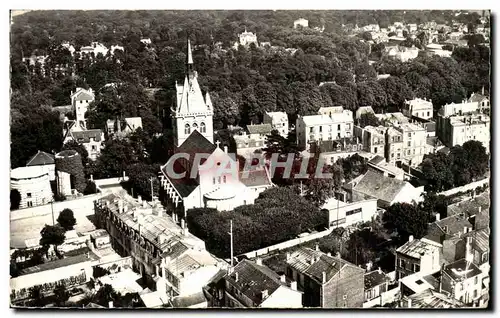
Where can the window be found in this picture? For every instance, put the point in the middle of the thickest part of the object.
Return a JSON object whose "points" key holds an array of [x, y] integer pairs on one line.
{"points": [[409, 143], [402, 263], [30, 204], [311, 130], [195, 126], [320, 128], [375, 150], [353, 212], [348, 126], [224, 179], [475, 293], [187, 129], [416, 268], [81, 101], [428, 113], [475, 280], [399, 156], [409, 135], [460, 287], [338, 127], [392, 155], [203, 127], [218, 180], [213, 179], [93, 147], [28, 194]]}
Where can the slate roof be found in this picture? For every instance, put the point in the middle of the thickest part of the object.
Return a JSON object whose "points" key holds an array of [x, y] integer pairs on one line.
{"points": [[480, 239], [196, 143], [253, 279], [470, 207], [461, 269], [376, 185], [476, 98], [417, 248], [313, 263], [263, 129], [188, 301], [85, 135], [256, 177], [447, 227], [375, 278], [41, 158]]}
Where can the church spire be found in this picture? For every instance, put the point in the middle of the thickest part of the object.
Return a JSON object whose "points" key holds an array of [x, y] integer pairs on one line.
{"points": [[189, 56]]}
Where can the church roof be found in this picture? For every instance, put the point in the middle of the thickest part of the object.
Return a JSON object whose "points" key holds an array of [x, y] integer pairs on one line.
{"points": [[41, 158], [196, 143]]}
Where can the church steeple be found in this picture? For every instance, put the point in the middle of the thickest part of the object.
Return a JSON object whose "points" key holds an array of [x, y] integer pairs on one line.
{"points": [[189, 58]]}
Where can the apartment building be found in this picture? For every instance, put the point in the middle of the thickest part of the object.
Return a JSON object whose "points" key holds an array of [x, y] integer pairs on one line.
{"points": [[372, 138], [456, 130], [417, 255], [329, 124], [463, 280]]}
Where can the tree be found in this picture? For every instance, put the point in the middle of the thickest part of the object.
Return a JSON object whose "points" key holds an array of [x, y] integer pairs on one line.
{"points": [[140, 176], [407, 219], [36, 295], [61, 294], [353, 166], [15, 199], [66, 219], [98, 271], [52, 235], [368, 119]]}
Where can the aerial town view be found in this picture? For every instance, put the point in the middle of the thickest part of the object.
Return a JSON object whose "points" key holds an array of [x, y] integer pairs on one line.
{"points": [[250, 159]]}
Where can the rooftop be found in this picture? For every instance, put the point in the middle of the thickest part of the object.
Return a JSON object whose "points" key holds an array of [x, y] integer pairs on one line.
{"points": [[461, 269], [278, 116], [418, 247], [84, 136], [27, 172], [416, 282], [375, 278], [471, 119], [260, 129], [123, 282], [433, 300], [377, 185], [470, 207], [67, 261], [41, 158], [475, 98], [480, 239], [188, 301], [313, 263], [256, 177], [251, 280], [313, 120]]}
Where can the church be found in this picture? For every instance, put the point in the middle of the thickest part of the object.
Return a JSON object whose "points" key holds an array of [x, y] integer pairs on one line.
{"points": [[204, 186]]}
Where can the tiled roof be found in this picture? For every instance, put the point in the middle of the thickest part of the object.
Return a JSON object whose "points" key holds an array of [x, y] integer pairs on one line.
{"points": [[263, 129], [432, 299], [85, 135], [41, 158], [188, 301], [461, 269], [253, 279], [470, 207], [417, 248], [313, 263], [476, 98], [374, 278], [56, 264], [176, 250], [376, 160], [376, 185], [256, 177]]}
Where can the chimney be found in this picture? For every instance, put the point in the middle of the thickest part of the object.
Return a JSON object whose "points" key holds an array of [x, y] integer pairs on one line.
{"points": [[110, 304], [288, 256], [479, 209], [120, 206], [236, 276], [283, 278], [124, 176], [144, 204], [139, 199], [258, 261], [317, 247], [91, 177], [468, 250], [183, 224], [379, 270], [324, 277], [338, 255], [465, 229], [409, 303], [160, 212], [293, 285], [328, 254], [438, 216], [225, 149], [411, 238], [265, 294]]}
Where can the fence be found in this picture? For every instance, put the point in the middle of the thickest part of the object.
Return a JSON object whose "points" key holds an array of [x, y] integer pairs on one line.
{"points": [[467, 187], [287, 244]]}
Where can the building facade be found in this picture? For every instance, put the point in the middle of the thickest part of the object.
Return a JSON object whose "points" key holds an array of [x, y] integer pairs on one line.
{"points": [[417, 107], [33, 184], [279, 122]]}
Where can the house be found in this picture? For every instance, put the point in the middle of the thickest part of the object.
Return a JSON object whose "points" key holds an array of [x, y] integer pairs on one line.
{"points": [[300, 22], [376, 283], [363, 110], [91, 139], [379, 164], [418, 256], [246, 38], [429, 299], [46, 163], [342, 212], [33, 185], [331, 151], [372, 138], [128, 126], [483, 102], [278, 121], [413, 146], [421, 108], [94, 47], [475, 209], [457, 130], [326, 281], [331, 123], [463, 280], [252, 140], [80, 100], [387, 191], [253, 285], [190, 182]]}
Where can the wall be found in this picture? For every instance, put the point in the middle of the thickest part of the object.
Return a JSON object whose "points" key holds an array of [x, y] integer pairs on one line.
{"points": [[466, 187], [125, 261], [385, 298], [287, 244], [194, 282], [368, 210], [283, 297], [38, 188], [349, 282]]}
